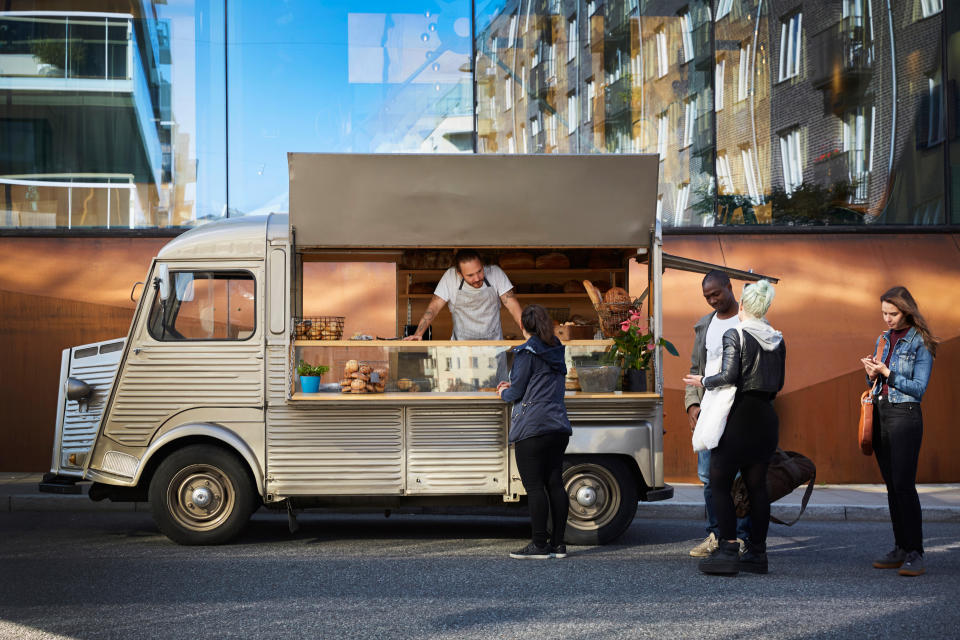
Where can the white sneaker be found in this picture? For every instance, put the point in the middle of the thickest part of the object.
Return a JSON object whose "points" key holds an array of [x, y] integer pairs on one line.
{"points": [[705, 548], [743, 545]]}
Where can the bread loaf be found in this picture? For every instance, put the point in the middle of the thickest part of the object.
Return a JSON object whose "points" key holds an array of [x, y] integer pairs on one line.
{"points": [[616, 294], [517, 260], [553, 261], [593, 292]]}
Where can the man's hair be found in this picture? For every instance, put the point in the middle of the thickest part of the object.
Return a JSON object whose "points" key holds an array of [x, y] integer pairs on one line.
{"points": [[466, 255], [717, 276]]}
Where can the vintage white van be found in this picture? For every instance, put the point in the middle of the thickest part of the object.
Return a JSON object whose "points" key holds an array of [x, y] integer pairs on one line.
{"points": [[199, 409]]}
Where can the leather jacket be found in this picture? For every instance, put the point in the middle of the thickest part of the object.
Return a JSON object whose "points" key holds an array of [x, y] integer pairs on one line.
{"points": [[750, 367]]}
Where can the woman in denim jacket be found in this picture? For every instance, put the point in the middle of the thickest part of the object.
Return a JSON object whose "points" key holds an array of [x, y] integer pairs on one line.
{"points": [[899, 378]]}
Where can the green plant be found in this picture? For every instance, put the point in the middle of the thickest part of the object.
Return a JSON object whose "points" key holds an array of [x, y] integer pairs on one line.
{"points": [[634, 344], [306, 369]]}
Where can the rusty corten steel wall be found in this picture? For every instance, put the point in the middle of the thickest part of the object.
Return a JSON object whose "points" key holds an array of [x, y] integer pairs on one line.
{"points": [[60, 292]]}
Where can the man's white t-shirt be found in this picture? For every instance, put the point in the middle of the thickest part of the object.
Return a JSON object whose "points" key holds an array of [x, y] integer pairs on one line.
{"points": [[449, 284], [715, 331]]}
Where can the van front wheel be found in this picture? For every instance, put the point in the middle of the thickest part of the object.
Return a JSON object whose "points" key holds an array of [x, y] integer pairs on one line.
{"points": [[201, 494], [603, 499]]}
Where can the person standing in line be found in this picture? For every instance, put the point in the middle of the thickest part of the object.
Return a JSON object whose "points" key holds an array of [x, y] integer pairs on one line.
{"points": [[899, 379], [754, 358], [708, 334], [540, 430]]}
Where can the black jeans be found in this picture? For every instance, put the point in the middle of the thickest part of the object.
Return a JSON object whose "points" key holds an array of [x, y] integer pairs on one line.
{"points": [[748, 441], [540, 463], [897, 445]]}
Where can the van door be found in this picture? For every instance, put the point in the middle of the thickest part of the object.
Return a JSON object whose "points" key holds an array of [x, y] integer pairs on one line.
{"points": [[199, 346]]}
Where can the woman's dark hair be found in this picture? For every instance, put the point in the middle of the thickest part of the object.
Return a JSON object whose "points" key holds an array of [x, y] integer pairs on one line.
{"points": [[536, 321], [902, 300]]}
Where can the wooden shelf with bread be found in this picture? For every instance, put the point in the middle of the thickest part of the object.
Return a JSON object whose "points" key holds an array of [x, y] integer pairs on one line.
{"points": [[554, 279]]}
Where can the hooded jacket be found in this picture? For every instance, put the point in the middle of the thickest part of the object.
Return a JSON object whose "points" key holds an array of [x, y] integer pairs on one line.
{"points": [[536, 390], [756, 365]]}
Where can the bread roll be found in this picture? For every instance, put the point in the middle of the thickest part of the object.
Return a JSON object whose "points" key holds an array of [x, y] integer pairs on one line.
{"points": [[365, 369], [358, 384], [351, 366]]}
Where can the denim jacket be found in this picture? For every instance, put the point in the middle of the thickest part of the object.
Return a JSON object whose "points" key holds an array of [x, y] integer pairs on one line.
{"points": [[910, 367]]}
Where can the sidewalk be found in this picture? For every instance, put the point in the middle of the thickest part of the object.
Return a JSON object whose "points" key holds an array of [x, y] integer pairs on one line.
{"points": [[941, 502]]}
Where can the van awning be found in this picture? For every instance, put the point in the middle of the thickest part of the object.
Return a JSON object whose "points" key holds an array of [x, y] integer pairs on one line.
{"points": [[471, 200], [698, 266]]}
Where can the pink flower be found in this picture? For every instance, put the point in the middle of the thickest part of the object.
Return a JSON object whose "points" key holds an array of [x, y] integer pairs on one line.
{"points": [[651, 347], [624, 326]]}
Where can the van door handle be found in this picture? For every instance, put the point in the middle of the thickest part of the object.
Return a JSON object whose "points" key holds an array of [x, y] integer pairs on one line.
{"points": [[137, 350]]}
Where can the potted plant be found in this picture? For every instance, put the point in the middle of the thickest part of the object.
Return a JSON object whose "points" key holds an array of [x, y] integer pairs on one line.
{"points": [[310, 376], [632, 348]]}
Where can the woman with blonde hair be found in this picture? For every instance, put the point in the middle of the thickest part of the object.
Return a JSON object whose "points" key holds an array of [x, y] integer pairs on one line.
{"points": [[754, 356], [899, 379]]}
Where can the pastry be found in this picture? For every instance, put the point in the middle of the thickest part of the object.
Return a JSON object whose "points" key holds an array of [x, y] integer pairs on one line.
{"points": [[351, 366], [616, 294]]}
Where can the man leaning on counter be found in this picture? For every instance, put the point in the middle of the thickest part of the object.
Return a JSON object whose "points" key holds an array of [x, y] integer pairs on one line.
{"points": [[474, 293]]}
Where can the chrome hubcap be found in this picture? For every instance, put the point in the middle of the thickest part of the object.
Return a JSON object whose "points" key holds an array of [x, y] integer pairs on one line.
{"points": [[586, 496], [200, 497]]}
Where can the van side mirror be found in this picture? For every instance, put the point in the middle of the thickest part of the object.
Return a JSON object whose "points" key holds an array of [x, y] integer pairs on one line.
{"points": [[162, 281]]}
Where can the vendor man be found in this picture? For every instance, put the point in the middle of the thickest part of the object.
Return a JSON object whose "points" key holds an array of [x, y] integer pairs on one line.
{"points": [[474, 293]]}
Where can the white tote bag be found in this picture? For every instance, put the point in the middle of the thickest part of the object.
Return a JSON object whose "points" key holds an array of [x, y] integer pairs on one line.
{"points": [[714, 408]]}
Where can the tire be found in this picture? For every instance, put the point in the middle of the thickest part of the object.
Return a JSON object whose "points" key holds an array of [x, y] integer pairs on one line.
{"points": [[207, 473], [603, 499]]}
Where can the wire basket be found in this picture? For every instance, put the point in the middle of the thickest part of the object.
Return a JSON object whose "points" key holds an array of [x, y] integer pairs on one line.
{"points": [[559, 314], [612, 315], [318, 328]]}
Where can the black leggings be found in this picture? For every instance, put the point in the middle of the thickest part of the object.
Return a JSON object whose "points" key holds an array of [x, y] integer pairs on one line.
{"points": [[748, 441], [540, 463], [897, 445]]}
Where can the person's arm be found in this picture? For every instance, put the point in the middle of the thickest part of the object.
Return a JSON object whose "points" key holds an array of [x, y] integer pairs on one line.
{"points": [[519, 377], [436, 304], [691, 399], [509, 300], [730, 369]]}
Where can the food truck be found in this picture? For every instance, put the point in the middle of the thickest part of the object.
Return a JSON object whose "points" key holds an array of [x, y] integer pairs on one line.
{"points": [[200, 408]]}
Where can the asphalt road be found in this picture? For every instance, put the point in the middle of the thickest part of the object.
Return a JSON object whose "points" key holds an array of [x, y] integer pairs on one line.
{"points": [[112, 575]]}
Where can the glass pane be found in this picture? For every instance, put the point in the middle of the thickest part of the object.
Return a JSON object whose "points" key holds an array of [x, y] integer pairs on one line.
{"points": [[205, 306], [378, 77]]}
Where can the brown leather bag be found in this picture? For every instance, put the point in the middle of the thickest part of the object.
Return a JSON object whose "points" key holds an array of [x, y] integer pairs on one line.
{"points": [[865, 428]]}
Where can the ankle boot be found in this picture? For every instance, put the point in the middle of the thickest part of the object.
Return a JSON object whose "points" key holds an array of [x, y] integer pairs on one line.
{"points": [[724, 561], [754, 559]]}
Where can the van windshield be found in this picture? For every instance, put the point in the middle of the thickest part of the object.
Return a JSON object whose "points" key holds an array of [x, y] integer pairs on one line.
{"points": [[205, 305]]}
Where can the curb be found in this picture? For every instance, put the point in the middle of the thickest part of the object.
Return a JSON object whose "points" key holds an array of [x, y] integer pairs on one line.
{"points": [[667, 510]]}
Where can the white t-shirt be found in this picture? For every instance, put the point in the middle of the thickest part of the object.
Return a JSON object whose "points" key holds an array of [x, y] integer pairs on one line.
{"points": [[715, 331], [449, 283]]}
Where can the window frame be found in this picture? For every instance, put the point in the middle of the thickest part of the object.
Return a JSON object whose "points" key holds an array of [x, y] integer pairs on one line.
{"points": [[155, 301]]}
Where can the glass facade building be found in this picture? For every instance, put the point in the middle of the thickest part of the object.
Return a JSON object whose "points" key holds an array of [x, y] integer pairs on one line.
{"points": [[765, 113]]}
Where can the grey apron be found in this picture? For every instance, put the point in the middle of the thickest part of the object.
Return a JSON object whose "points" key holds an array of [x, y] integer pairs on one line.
{"points": [[476, 313]]}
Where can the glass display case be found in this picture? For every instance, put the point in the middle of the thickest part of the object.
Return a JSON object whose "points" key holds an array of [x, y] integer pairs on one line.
{"points": [[407, 370]]}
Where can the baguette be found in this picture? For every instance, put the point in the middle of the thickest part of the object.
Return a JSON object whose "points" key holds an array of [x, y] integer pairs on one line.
{"points": [[593, 292]]}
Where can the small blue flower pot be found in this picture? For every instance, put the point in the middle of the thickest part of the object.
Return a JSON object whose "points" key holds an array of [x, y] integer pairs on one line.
{"points": [[310, 384]]}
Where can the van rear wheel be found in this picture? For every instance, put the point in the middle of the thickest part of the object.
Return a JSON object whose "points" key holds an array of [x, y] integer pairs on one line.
{"points": [[603, 499], [201, 494]]}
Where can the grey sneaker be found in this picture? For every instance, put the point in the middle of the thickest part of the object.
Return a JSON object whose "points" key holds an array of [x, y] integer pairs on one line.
{"points": [[558, 551], [892, 560], [533, 552], [705, 548], [912, 565]]}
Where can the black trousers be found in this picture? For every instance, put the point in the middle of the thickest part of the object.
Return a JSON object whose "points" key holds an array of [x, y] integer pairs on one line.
{"points": [[748, 441], [897, 445], [540, 463]]}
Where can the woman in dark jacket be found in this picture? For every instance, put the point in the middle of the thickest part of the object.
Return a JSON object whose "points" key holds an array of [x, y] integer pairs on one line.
{"points": [[753, 359], [540, 429]]}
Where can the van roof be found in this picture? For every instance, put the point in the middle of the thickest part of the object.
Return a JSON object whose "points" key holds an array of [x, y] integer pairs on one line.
{"points": [[230, 238]]}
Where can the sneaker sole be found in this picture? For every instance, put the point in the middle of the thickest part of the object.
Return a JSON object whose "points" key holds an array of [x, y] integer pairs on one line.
{"points": [[558, 555], [700, 554], [887, 565], [517, 556], [912, 573]]}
